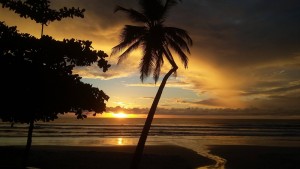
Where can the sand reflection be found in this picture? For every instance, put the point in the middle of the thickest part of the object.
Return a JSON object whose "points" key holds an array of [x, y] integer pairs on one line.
{"points": [[117, 141]]}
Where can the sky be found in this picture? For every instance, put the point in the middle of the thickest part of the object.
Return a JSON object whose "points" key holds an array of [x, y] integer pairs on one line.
{"points": [[246, 54]]}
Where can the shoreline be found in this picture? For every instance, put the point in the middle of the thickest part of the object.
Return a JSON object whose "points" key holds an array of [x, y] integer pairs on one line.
{"points": [[106, 157]]}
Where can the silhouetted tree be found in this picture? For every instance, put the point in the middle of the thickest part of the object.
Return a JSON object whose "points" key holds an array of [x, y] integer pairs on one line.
{"points": [[40, 12], [155, 40], [38, 81]]}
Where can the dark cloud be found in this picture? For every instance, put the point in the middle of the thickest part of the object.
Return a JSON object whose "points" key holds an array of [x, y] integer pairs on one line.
{"points": [[277, 79], [276, 90], [242, 32], [269, 84], [207, 102], [289, 102]]}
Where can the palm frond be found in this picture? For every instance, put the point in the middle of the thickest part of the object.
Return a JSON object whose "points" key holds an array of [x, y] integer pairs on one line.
{"points": [[181, 33], [147, 63], [128, 51], [179, 40], [180, 53], [159, 61], [152, 9], [130, 34], [133, 14]]}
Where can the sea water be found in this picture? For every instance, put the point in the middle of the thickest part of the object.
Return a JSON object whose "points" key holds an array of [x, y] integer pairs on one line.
{"points": [[192, 133]]}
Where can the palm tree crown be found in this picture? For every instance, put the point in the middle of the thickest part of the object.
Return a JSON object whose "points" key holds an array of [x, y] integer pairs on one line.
{"points": [[153, 37]]}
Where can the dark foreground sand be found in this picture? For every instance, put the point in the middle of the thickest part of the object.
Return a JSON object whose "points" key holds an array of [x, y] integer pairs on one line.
{"points": [[258, 157], [155, 157], [118, 157]]}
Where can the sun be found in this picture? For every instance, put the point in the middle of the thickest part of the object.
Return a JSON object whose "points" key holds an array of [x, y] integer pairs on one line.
{"points": [[120, 115]]}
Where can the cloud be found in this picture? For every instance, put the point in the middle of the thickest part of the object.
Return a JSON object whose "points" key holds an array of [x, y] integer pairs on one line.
{"points": [[276, 90], [126, 69], [171, 83], [212, 102], [273, 78], [240, 33], [288, 101], [151, 98]]}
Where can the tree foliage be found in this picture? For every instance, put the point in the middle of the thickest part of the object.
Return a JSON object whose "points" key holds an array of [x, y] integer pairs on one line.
{"points": [[38, 83], [39, 10], [37, 77]]}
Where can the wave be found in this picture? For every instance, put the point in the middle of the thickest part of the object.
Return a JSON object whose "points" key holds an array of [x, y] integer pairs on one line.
{"points": [[290, 128]]}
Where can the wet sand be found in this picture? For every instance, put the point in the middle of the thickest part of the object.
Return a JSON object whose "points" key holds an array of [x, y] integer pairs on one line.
{"points": [[117, 157], [258, 157]]}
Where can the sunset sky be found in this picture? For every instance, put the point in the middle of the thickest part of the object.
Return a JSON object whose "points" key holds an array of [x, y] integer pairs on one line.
{"points": [[245, 53]]}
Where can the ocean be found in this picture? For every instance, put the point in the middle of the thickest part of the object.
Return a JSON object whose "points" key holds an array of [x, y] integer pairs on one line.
{"points": [[192, 133]]}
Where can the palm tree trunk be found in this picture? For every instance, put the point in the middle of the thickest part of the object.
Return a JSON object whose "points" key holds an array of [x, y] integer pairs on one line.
{"points": [[141, 144], [28, 145]]}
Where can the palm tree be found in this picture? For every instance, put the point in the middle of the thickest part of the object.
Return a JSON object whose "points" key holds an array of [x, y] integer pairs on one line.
{"points": [[155, 40]]}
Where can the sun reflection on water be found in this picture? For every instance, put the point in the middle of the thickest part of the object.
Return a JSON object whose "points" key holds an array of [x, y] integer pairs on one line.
{"points": [[120, 141]]}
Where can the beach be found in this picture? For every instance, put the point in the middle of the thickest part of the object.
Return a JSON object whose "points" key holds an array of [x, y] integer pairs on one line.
{"points": [[112, 157], [258, 157], [155, 157]]}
